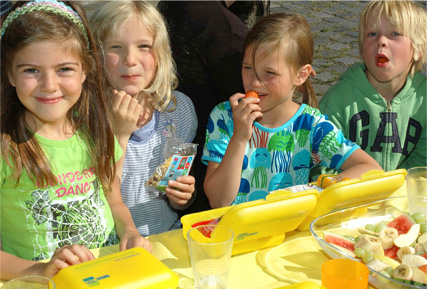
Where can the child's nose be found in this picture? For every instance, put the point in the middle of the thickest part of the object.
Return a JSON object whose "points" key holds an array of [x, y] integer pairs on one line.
{"points": [[129, 58], [48, 82], [382, 41], [255, 81]]}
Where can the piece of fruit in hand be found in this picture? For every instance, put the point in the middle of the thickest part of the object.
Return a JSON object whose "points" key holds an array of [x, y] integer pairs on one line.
{"points": [[251, 93]]}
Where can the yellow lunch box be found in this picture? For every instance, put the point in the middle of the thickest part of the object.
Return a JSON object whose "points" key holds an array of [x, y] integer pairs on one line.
{"points": [[130, 269], [372, 186], [261, 223]]}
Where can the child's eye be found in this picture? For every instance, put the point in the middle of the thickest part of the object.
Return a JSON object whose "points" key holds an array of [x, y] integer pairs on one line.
{"points": [[271, 72], [145, 46], [112, 46], [246, 67], [30, 70], [65, 69], [372, 34], [395, 34]]}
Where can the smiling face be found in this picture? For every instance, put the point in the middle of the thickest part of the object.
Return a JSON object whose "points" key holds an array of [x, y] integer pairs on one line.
{"points": [[129, 58], [48, 78], [387, 53]]}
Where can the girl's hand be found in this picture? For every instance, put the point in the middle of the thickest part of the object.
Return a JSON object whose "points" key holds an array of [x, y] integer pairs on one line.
{"points": [[245, 112], [181, 190], [125, 112], [66, 256], [132, 239]]}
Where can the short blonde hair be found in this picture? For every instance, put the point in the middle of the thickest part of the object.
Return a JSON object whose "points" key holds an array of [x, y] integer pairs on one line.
{"points": [[110, 18], [408, 17]]}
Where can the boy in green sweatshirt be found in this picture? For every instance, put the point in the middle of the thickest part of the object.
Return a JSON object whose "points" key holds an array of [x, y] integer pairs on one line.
{"points": [[380, 104]]}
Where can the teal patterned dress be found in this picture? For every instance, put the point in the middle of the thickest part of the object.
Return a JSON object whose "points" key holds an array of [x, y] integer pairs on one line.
{"points": [[276, 158]]}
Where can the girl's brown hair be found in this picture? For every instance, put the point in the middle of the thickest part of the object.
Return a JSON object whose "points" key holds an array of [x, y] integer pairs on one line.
{"points": [[19, 147], [291, 33]]}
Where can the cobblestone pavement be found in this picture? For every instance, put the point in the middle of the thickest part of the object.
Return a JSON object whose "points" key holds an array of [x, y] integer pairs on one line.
{"points": [[335, 28]]}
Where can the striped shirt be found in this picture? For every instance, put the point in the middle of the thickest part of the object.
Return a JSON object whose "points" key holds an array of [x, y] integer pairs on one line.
{"points": [[150, 209]]}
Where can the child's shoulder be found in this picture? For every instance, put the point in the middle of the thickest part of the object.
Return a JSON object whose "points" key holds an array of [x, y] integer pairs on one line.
{"points": [[308, 110], [182, 100]]}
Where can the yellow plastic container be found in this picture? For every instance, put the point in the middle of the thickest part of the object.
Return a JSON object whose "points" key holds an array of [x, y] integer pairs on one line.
{"points": [[372, 186], [261, 223], [130, 269]]}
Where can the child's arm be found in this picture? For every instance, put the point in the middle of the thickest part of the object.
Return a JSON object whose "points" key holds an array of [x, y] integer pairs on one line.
{"points": [[181, 192], [222, 180], [125, 228], [125, 112], [358, 163], [12, 266]]}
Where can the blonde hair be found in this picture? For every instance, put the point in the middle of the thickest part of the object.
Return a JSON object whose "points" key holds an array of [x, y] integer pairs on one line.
{"points": [[289, 32], [112, 16], [408, 17]]}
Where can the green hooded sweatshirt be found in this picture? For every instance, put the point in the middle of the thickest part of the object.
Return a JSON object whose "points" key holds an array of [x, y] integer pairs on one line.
{"points": [[393, 133]]}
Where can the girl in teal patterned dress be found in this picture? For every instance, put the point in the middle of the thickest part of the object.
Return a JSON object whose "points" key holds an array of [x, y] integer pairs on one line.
{"points": [[258, 145]]}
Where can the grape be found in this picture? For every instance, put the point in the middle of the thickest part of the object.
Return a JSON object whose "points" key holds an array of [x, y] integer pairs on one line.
{"points": [[367, 258], [380, 227], [370, 227], [423, 228], [359, 252], [419, 217]]}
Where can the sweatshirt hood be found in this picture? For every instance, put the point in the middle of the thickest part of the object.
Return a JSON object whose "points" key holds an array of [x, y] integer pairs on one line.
{"points": [[355, 76]]}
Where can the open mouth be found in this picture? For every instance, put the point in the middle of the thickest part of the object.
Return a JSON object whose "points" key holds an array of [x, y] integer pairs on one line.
{"points": [[381, 59]]}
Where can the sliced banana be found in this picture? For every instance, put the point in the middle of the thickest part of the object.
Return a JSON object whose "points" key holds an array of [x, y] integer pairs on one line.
{"points": [[414, 260], [405, 251], [377, 265], [403, 271], [368, 243], [418, 247], [387, 235]]}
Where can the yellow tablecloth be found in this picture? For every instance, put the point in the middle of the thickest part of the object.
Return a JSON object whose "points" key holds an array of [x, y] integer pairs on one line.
{"points": [[297, 259]]}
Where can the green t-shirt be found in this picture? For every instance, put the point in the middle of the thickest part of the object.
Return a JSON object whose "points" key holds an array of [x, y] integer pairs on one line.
{"points": [[36, 219]]}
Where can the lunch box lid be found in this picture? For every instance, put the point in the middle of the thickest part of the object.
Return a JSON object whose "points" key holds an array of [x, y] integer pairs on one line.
{"points": [[260, 223], [131, 269], [372, 186]]}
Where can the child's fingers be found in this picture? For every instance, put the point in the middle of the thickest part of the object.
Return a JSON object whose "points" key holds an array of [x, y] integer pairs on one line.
{"points": [[179, 193], [73, 254], [186, 180], [125, 105], [234, 99]]}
